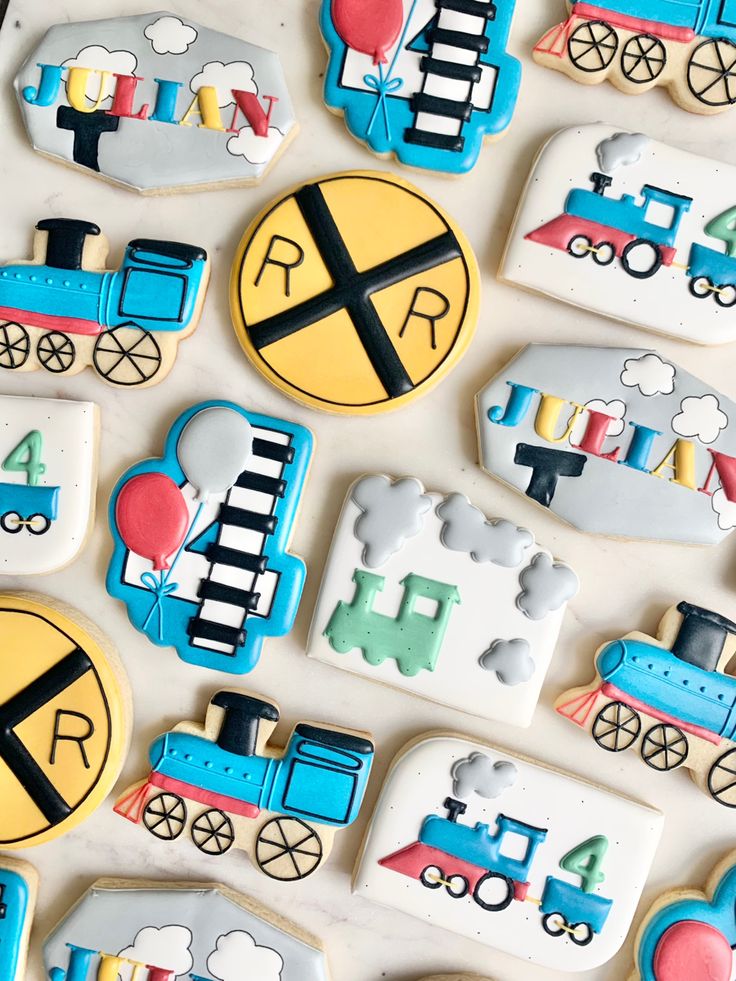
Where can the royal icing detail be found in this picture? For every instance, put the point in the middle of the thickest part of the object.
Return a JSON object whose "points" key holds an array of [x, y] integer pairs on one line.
{"points": [[615, 441], [630, 228], [64, 311], [229, 786], [456, 977], [424, 80], [159, 931], [18, 888], [48, 479], [404, 600], [156, 103], [354, 293], [688, 48], [508, 852], [202, 534], [669, 695], [64, 705], [689, 935]]}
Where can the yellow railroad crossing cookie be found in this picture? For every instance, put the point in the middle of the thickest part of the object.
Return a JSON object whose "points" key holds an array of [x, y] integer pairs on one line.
{"points": [[354, 293], [64, 719]]}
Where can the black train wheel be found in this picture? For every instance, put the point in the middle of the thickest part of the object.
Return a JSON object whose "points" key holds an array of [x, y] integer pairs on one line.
{"points": [[616, 727], [56, 352], [15, 345], [592, 46], [212, 832], [722, 779], [288, 849], [643, 59], [711, 73], [127, 355], [664, 747], [494, 892], [38, 524], [165, 816]]}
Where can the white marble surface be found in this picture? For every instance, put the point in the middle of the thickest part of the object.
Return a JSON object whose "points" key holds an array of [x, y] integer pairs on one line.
{"points": [[623, 585]]}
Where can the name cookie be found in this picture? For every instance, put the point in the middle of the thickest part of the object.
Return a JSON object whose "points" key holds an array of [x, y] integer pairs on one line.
{"points": [[18, 890], [688, 934], [64, 310], [156, 103], [404, 600], [230, 787], [668, 696], [689, 49], [160, 931], [48, 459], [355, 293], [424, 80], [615, 441], [630, 228], [202, 534], [508, 852], [65, 706]]}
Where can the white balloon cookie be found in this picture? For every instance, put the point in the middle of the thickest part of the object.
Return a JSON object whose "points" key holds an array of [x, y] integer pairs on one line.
{"points": [[404, 600]]}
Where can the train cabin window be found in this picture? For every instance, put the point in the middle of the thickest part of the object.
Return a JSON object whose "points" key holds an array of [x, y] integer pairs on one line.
{"points": [[150, 295], [660, 214], [427, 607], [319, 792], [514, 846], [325, 754], [159, 259], [727, 15]]}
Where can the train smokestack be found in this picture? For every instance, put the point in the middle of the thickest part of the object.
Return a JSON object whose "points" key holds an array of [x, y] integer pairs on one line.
{"points": [[243, 715], [455, 808], [702, 636], [66, 238], [600, 183]]}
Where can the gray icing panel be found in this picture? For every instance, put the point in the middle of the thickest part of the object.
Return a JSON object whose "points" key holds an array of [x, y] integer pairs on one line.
{"points": [[466, 529], [478, 774], [510, 659], [392, 512]]}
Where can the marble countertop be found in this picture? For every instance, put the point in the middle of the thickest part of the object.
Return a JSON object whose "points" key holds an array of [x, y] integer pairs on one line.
{"points": [[624, 585]]}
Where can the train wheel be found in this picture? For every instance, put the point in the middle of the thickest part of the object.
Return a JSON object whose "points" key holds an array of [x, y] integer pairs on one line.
{"points": [[431, 877], [722, 779], [641, 258], [579, 246], [581, 934], [604, 253], [616, 727], [643, 59], [457, 886], [15, 345], [725, 296], [165, 816], [592, 46], [554, 924], [12, 522], [38, 524], [701, 287], [711, 73], [494, 892], [212, 832], [288, 849], [664, 747], [56, 351], [127, 355]]}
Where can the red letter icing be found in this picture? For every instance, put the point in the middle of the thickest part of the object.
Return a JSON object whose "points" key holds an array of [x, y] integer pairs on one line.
{"points": [[692, 951], [159, 974], [122, 102], [595, 433], [248, 104], [725, 467]]}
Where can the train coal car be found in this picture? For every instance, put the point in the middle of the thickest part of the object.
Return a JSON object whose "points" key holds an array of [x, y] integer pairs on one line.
{"points": [[29, 507]]}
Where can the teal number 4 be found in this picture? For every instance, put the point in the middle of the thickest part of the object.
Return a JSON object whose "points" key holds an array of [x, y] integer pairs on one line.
{"points": [[26, 458], [586, 860], [723, 227]]}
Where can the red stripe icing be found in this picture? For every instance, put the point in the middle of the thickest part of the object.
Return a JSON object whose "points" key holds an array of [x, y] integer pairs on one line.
{"points": [[47, 321], [611, 691]]}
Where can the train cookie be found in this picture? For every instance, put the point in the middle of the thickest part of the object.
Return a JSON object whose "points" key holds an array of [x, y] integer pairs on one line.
{"points": [[65, 706], [615, 441], [404, 600], [18, 890], [64, 311], [423, 80], [155, 103], [630, 228], [201, 535], [48, 480], [232, 788], [354, 293], [689, 48], [508, 852], [669, 696], [160, 931], [456, 977], [690, 935]]}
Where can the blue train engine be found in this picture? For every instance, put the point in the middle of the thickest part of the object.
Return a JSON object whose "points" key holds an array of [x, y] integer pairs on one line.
{"points": [[687, 45], [672, 697], [57, 314], [464, 860], [281, 807]]}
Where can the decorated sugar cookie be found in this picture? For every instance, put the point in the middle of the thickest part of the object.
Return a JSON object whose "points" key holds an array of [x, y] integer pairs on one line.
{"points": [[202, 534], [615, 441], [64, 310], [424, 80], [64, 700], [631, 228], [354, 293], [156, 103], [162, 931], [228, 786], [508, 852], [689, 48], [48, 459], [456, 977], [18, 889], [689, 934], [404, 600], [668, 696]]}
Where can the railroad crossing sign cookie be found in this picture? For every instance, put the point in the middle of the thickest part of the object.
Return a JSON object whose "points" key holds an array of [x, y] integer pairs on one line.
{"points": [[355, 293], [65, 707], [18, 890]]}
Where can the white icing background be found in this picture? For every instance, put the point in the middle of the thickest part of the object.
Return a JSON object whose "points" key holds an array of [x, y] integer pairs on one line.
{"points": [[623, 586]]}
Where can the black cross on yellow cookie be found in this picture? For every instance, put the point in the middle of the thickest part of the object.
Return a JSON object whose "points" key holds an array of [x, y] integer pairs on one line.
{"points": [[355, 293]]}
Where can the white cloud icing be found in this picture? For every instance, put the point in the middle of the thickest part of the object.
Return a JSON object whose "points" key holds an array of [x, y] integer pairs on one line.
{"points": [[255, 149], [225, 77], [701, 418], [166, 947], [725, 509], [170, 35], [238, 957], [99, 58], [650, 374]]}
